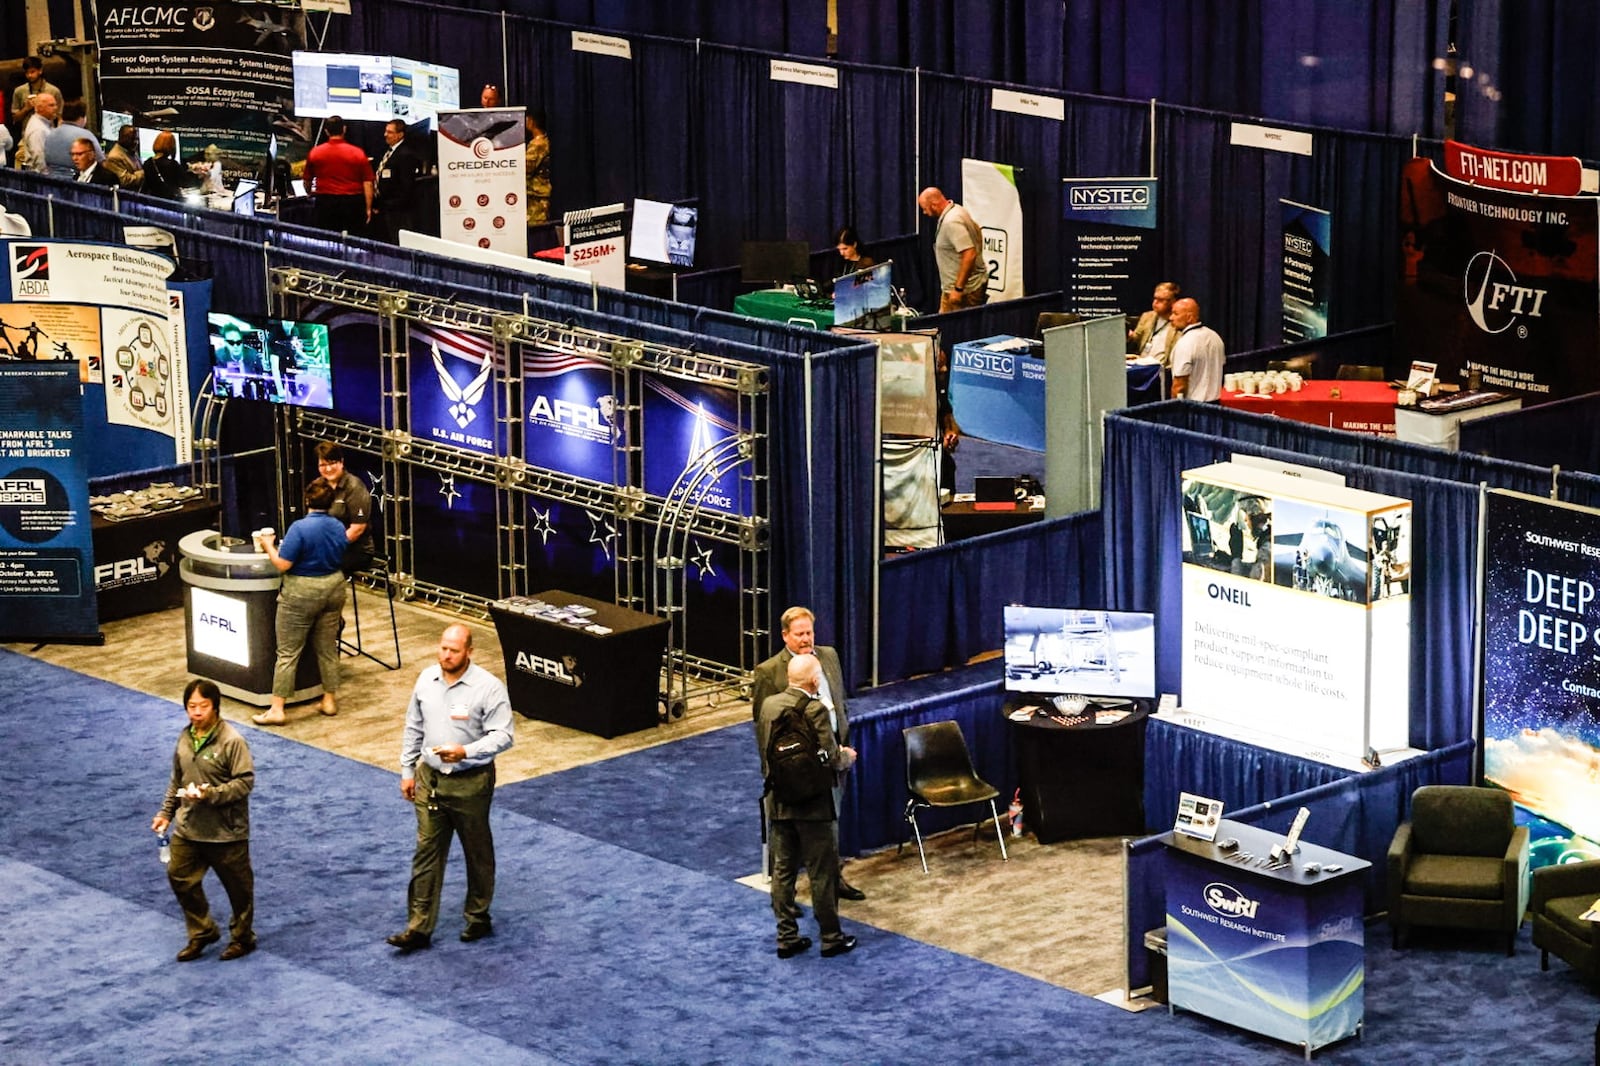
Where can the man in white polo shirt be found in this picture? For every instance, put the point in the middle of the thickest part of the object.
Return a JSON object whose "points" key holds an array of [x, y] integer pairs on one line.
{"points": [[1197, 356]]}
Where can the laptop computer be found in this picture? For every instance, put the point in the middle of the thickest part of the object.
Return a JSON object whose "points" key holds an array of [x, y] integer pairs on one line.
{"points": [[994, 493]]}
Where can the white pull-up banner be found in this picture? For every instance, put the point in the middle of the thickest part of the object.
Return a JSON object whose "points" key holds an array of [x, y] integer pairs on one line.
{"points": [[989, 193]]}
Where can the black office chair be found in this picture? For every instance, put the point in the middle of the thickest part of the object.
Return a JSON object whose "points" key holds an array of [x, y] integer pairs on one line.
{"points": [[1356, 372], [1052, 319], [374, 572], [1298, 364], [939, 774]]}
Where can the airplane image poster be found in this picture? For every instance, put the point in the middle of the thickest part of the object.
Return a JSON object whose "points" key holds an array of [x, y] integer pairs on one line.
{"points": [[1283, 635]]}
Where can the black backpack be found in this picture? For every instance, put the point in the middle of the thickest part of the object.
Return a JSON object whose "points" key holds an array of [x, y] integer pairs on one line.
{"points": [[797, 767]]}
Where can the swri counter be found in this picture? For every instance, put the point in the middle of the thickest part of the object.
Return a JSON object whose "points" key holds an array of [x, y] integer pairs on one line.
{"points": [[230, 597], [1276, 948]]}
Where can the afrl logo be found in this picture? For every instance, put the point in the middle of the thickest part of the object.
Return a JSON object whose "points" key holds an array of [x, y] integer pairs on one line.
{"points": [[1494, 299], [22, 491], [563, 672], [125, 572], [216, 621], [1225, 899]]}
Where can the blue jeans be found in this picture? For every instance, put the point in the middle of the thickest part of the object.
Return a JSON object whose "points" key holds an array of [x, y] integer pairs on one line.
{"points": [[308, 607]]}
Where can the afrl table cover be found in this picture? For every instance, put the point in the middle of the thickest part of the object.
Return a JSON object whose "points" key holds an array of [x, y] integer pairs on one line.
{"points": [[997, 392], [136, 560], [601, 683], [1359, 406], [1280, 952]]}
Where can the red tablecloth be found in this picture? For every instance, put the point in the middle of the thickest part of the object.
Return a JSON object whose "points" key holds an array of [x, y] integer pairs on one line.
{"points": [[1360, 407]]}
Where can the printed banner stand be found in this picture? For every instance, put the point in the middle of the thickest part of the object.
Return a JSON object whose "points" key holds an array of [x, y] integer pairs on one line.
{"points": [[1307, 271], [595, 243], [47, 589], [482, 178], [989, 193], [1109, 238]]}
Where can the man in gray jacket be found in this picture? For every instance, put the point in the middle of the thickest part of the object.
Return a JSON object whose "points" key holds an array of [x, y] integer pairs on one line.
{"points": [[207, 807], [803, 833]]}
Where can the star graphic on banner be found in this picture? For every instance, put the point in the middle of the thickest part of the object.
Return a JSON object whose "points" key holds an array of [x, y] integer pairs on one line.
{"points": [[701, 558], [541, 524], [602, 531], [376, 489], [447, 489]]}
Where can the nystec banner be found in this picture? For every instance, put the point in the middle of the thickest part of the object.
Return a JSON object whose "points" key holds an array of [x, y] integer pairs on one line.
{"points": [[1109, 238], [1541, 665], [47, 587], [217, 73], [1307, 271], [482, 179], [1503, 283]]}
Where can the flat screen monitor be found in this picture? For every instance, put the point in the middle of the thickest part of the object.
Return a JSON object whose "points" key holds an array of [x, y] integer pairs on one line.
{"points": [[421, 90], [274, 360], [1082, 652], [773, 262], [244, 196], [862, 299], [111, 123], [663, 232], [354, 87]]}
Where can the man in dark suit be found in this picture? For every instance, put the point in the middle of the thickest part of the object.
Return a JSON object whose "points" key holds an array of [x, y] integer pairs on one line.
{"points": [[394, 190], [805, 833], [798, 626], [90, 172]]}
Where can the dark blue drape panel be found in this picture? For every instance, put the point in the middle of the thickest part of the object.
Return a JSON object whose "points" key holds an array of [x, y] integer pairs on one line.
{"points": [[1561, 434], [742, 197], [875, 791], [1534, 79], [1198, 54], [878, 168], [956, 592]]}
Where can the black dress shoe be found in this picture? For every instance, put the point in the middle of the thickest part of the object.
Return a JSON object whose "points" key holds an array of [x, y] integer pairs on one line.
{"points": [[238, 949], [476, 931], [797, 947], [196, 947], [841, 947], [410, 940], [849, 891]]}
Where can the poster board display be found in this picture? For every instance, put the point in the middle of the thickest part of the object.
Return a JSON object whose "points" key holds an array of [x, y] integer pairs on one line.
{"points": [[689, 428], [453, 399], [1541, 664], [574, 425], [1296, 611], [482, 179]]}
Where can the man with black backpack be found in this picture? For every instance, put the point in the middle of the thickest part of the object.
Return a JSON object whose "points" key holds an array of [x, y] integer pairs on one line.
{"points": [[799, 758]]}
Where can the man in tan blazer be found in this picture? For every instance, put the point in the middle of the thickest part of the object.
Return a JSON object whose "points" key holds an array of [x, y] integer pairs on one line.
{"points": [[1152, 337]]}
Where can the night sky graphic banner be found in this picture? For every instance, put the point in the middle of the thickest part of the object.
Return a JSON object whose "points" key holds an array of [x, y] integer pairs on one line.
{"points": [[685, 425], [47, 586], [354, 361], [1307, 269], [1541, 658], [572, 421], [452, 389], [216, 73], [1504, 283], [572, 548], [456, 543]]}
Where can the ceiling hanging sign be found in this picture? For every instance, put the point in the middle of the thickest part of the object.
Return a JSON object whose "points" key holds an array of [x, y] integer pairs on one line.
{"points": [[337, 7], [1555, 175]]}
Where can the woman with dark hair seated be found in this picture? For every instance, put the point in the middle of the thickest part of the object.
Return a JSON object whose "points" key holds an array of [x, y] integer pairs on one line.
{"points": [[852, 255]]}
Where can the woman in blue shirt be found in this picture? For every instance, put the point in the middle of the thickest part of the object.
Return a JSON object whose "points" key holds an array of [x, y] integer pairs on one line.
{"points": [[311, 601]]}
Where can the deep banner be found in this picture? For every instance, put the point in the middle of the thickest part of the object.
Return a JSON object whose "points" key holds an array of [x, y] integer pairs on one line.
{"points": [[1109, 238], [1541, 667], [1307, 269], [1502, 283], [47, 590], [216, 73]]}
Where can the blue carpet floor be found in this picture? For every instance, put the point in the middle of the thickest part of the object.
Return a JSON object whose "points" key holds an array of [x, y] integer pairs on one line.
{"points": [[619, 936]]}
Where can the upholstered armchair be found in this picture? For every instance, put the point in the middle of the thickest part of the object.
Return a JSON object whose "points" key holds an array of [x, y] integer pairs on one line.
{"points": [[1560, 895], [1460, 862]]}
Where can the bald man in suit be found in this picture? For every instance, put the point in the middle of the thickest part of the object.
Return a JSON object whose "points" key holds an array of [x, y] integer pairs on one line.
{"points": [[798, 627]]}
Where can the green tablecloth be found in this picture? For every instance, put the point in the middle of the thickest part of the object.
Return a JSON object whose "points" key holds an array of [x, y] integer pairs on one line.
{"points": [[780, 306]]}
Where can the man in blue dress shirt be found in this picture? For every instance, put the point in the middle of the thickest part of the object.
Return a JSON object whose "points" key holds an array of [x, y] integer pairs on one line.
{"points": [[458, 720]]}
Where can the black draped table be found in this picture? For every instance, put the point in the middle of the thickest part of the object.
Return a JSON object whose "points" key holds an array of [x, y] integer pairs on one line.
{"points": [[582, 663], [1080, 777], [136, 559]]}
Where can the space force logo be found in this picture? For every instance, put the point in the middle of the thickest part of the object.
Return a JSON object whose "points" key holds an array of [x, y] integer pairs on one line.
{"points": [[1494, 299], [1229, 901]]}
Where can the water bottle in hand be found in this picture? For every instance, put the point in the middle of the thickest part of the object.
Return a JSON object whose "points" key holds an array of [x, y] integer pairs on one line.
{"points": [[166, 846]]}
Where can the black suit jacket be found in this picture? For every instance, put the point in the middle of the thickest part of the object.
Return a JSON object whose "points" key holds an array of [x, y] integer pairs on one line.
{"points": [[395, 187], [101, 176]]}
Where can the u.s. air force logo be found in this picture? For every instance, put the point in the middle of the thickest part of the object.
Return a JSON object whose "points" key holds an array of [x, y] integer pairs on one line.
{"points": [[462, 398]]}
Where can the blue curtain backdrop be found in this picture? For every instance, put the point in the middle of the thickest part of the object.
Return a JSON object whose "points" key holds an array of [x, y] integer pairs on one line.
{"points": [[1533, 79]]}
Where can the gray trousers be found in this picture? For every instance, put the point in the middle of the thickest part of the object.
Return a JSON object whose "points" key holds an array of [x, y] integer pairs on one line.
{"points": [[308, 607], [446, 805], [231, 860], [812, 845]]}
